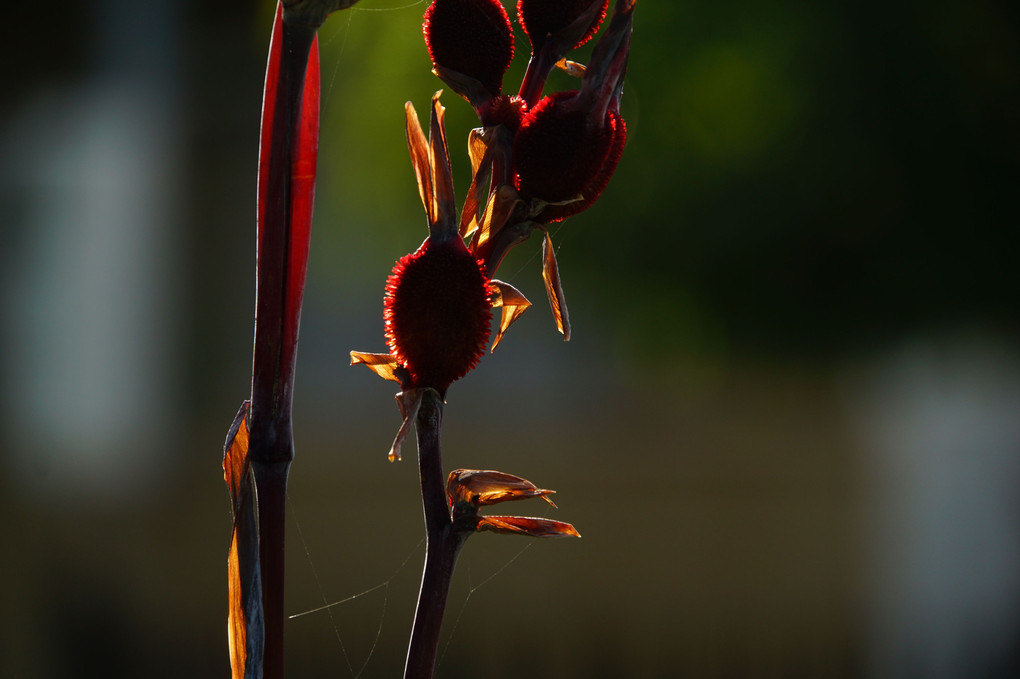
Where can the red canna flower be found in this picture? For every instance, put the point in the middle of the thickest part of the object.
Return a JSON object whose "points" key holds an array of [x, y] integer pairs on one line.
{"points": [[471, 45]]}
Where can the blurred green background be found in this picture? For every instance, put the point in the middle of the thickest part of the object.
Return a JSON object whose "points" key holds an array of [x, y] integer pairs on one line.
{"points": [[787, 424]]}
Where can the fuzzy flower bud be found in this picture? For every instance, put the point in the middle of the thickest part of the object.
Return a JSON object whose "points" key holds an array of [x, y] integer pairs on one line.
{"points": [[437, 313], [569, 22], [564, 158], [569, 143], [471, 45]]}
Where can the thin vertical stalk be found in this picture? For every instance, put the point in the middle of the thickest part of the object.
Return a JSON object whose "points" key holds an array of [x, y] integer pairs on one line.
{"points": [[262, 438], [443, 542], [277, 314], [271, 485]]}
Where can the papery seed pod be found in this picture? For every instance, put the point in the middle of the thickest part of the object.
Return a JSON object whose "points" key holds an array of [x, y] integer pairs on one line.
{"points": [[437, 313], [471, 38], [541, 19], [564, 157]]}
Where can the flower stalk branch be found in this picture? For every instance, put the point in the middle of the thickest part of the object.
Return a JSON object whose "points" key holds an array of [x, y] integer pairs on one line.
{"points": [[535, 160], [451, 516], [444, 541]]}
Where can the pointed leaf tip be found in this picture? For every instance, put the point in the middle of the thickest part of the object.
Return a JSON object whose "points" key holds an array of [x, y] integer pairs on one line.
{"points": [[235, 454], [473, 488], [480, 153], [245, 622], [527, 525], [383, 365], [554, 288], [288, 152], [442, 179], [409, 401], [418, 147], [571, 68], [513, 303]]}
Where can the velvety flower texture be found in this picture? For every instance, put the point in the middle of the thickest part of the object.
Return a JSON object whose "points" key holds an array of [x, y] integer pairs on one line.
{"points": [[469, 39], [543, 18], [562, 158], [437, 313], [536, 159]]}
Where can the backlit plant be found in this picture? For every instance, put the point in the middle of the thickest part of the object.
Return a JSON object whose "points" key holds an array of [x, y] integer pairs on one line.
{"points": [[259, 447], [534, 160]]}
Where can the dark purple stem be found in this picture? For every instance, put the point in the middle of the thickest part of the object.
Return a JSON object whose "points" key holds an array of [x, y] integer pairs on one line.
{"points": [[514, 233], [272, 444], [443, 543], [536, 74], [275, 353]]}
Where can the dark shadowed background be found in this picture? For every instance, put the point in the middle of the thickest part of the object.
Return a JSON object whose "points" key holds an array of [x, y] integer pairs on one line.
{"points": [[787, 424]]}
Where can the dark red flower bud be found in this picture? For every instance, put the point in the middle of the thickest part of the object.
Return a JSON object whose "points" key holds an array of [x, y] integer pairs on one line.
{"points": [[572, 22], [437, 313], [569, 143], [471, 45], [503, 110], [561, 155]]}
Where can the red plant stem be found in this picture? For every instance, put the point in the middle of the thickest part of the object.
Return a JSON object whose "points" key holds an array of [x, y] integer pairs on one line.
{"points": [[536, 74], [443, 543], [277, 313]]}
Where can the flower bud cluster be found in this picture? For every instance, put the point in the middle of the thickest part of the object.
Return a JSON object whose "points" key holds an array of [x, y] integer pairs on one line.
{"points": [[563, 147], [536, 159]]}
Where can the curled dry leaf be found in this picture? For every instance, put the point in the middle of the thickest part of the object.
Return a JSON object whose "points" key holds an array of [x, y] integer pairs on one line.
{"points": [[383, 365], [418, 146], [553, 288], [479, 140], [408, 401], [497, 211], [235, 457], [479, 487], [431, 160], [245, 621], [439, 155], [527, 525], [513, 303], [571, 68]]}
